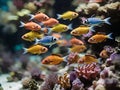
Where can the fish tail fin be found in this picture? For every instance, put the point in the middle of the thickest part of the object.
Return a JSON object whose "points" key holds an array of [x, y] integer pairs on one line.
{"points": [[36, 41], [65, 59], [100, 60], [69, 50], [58, 16], [110, 36], [22, 24], [92, 28], [107, 21], [25, 50], [70, 26], [31, 16]]}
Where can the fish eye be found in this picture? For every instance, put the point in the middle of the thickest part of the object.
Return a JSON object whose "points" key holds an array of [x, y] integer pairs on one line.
{"points": [[25, 36], [75, 14], [36, 26], [46, 61], [65, 28], [74, 33], [54, 39], [92, 39], [43, 49], [86, 21], [45, 17]]}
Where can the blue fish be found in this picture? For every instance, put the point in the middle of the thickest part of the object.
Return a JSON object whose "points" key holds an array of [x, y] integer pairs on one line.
{"points": [[47, 40], [95, 21]]}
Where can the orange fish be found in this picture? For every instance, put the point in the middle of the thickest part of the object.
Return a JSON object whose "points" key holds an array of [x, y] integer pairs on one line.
{"points": [[98, 38], [88, 59], [75, 41], [104, 54], [78, 48], [39, 17], [31, 26], [52, 60], [36, 49], [50, 22], [63, 42]]}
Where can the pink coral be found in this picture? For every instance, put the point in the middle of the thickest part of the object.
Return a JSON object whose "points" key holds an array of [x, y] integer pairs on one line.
{"points": [[72, 58], [88, 71]]}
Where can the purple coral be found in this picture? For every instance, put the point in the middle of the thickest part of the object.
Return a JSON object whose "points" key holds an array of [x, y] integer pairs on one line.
{"points": [[111, 84], [50, 82], [77, 84], [88, 71], [36, 73], [114, 58]]}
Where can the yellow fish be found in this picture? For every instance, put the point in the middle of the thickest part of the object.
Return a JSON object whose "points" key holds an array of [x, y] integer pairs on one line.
{"points": [[78, 48], [53, 59], [31, 36], [68, 15], [35, 49], [81, 30], [60, 28], [88, 59], [98, 38]]}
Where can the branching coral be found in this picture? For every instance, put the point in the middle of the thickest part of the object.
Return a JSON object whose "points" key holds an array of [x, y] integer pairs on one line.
{"points": [[50, 82], [95, 8], [88, 71], [72, 58], [64, 81]]}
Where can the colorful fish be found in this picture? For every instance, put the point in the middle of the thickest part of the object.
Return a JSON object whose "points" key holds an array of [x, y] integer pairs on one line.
{"points": [[78, 48], [39, 17], [88, 59], [98, 38], [50, 22], [107, 51], [47, 40], [31, 36], [31, 26], [75, 41], [60, 28], [68, 15], [96, 21], [104, 54], [81, 30], [53, 59], [63, 42], [36, 49]]}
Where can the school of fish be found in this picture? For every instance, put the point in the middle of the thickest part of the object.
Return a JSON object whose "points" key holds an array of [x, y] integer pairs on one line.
{"points": [[46, 31]]}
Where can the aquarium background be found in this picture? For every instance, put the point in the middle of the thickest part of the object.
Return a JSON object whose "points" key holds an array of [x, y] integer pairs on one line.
{"points": [[20, 71]]}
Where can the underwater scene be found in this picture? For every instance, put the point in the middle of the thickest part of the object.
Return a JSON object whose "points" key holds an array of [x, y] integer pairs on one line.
{"points": [[60, 45]]}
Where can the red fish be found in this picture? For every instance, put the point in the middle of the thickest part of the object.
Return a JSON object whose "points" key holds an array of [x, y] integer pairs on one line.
{"points": [[31, 26], [75, 41], [39, 17], [50, 22]]}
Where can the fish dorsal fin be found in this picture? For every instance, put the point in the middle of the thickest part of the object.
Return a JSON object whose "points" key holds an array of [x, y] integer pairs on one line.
{"points": [[100, 33], [67, 12], [56, 54], [90, 55]]}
